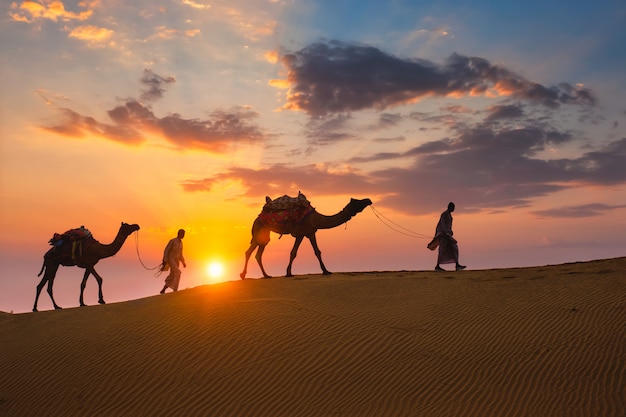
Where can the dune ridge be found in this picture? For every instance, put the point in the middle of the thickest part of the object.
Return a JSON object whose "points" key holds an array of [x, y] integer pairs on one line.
{"points": [[541, 341]]}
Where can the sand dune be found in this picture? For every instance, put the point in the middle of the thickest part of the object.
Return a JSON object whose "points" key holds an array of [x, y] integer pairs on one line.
{"points": [[543, 341]]}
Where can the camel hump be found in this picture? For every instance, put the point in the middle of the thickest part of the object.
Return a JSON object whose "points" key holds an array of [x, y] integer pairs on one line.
{"points": [[286, 203]]}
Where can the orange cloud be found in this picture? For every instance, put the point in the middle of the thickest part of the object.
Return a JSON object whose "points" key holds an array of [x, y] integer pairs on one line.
{"points": [[29, 11], [192, 32], [196, 5], [271, 56], [280, 83], [91, 33]]}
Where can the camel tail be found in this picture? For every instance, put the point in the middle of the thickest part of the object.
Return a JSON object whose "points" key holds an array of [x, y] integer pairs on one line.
{"points": [[42, 268]]}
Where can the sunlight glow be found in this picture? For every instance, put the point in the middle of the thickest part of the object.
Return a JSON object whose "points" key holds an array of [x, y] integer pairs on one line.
{"points": [[215, 270]]}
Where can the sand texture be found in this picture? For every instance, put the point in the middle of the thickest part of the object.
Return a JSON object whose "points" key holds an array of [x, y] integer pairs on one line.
{"points": [[543, 341]]}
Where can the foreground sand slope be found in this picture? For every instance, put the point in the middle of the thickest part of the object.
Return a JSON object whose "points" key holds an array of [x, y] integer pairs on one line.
{"points": [[544, 341]]}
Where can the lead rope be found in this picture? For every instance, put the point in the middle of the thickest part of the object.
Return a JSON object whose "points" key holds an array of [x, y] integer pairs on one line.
{"points": [[157, 273], [396, 227]]}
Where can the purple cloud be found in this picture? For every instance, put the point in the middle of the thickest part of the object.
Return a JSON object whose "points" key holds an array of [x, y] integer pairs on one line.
{"points": [[576, 212], [336, 77], [130, 123]]}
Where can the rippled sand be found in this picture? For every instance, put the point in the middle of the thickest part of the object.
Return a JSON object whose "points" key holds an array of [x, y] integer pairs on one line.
{"points": [[543, 341]]}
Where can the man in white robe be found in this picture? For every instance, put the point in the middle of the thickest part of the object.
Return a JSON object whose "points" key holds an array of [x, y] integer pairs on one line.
{"points": [[448, 246], [173, 256]]}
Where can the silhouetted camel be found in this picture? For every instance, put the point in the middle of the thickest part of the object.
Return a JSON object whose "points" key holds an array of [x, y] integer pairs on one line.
{"points": [[307, 228], [92, 251]]}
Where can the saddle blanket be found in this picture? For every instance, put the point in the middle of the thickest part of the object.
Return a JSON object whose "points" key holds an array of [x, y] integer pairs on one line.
{"points": [[286, 203], [285, 218], [72, 235]]}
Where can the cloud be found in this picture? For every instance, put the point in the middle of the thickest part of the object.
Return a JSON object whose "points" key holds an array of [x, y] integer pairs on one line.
{"points": [[480, 168], [92, 34], [280, 179], [167, 33], [603, 166], [131, 121], [196, 5], [497, 163], [335, 77], [78, 126], [485, 169], [155, 85], [576, 212], [30, 11], [387, 120], [500, 112]]}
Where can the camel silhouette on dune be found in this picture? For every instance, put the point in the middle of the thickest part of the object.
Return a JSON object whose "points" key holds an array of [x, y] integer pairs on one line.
{"points": [[306, 228], [86, 256]]}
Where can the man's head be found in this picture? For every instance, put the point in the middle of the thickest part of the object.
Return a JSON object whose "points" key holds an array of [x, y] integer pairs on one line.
{"points": [[181, 233], [451, 207]]}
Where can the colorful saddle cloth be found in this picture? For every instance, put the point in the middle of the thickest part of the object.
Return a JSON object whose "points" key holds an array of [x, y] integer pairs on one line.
{"points": [[286, 203], [71, 243], [285, 212], [71, 235]]}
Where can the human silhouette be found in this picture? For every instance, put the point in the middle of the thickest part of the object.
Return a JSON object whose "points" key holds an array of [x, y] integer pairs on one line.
{"points": [[448, 246], [172, 257]]}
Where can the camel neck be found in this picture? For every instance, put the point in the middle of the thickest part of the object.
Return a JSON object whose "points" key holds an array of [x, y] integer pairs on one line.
{"points": [[329, 222], [112, 248]]}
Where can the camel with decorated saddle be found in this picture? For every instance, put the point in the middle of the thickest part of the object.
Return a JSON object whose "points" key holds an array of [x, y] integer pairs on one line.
{"points": [[77, 247], [295, 216]]}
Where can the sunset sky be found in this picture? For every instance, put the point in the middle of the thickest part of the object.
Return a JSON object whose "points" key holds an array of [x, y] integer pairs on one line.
{"points": [[186, 114]]}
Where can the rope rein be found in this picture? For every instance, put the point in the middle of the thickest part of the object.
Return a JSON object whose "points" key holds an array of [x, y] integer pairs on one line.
{"points": [[157, 273], [396, 227]]}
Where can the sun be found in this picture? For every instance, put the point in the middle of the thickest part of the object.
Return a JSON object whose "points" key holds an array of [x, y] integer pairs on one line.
{"points": [[215, 269]]}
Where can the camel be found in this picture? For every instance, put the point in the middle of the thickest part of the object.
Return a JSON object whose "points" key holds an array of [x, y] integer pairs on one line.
{"points": [[92, 251], [307, 228]]}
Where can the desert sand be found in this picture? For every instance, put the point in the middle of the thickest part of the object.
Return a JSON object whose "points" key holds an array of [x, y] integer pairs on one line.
{"points": [[541, 341]]}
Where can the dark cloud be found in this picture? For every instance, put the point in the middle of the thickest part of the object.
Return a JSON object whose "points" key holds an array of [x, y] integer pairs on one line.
{"points": [[480, 169], [386, 120], [280, 179], [156, 85], [132, 121], [328, 123], [337, 77], [500, 112], [585, 210], [327, 130], [75, 125], [604, 166], [389, 140]]}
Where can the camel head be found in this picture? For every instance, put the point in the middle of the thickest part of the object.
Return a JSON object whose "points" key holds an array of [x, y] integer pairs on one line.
{"points": [[356, 206], [126, 229]]}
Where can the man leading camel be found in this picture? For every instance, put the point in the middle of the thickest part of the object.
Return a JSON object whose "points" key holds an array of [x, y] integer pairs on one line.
{"points": [[448, 247], [173, 256]]}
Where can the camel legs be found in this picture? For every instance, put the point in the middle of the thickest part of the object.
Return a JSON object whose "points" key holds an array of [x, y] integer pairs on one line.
{"points": [[48, 277], [318, 254], [292, 255], [259, 260], [316, 250], [258, 257], [98, 278], [251, 249], [260, 239]]}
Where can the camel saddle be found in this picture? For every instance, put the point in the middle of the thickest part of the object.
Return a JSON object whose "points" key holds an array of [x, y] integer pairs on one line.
{"points": [[286, 203], [71, 235], [285, 212], [73, 238]]}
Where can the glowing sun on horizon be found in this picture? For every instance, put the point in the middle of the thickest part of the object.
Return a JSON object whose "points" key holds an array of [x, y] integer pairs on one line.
{"points": [[215, 270]]}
